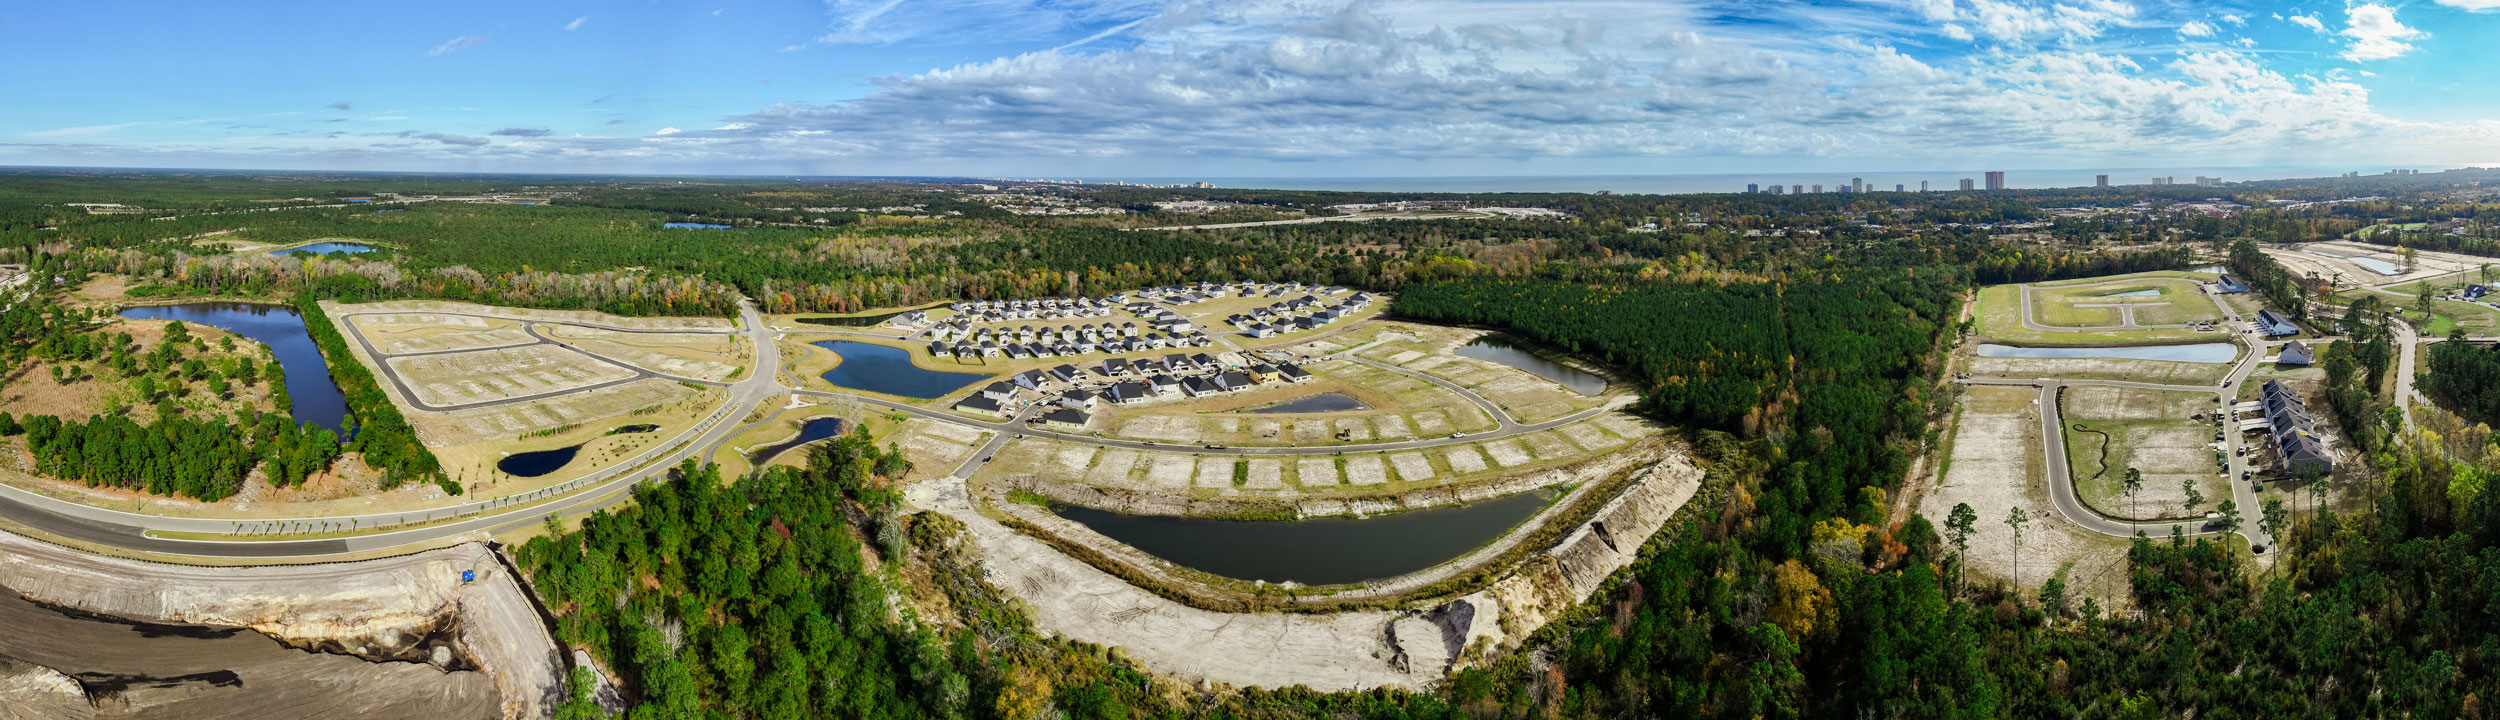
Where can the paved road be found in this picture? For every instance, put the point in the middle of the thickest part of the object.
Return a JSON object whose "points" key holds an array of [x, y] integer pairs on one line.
{"points": [[2126, 313], [2062, 494], [123, 529], [604, 488], [381, 360]]}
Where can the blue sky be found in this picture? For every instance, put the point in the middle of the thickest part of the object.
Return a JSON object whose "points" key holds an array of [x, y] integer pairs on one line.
{"points": [[1235, 88]]}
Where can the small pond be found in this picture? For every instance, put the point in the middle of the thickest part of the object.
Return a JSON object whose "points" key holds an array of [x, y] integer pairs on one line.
{"points": [[2138, 293], [1497, 349], [1323, 402], [634, 428], [2215, 353], [1318, 551], [534, 464], [694, 226], [326, 248], [882, 369], [2376, 265], [2216, 269], [815, 429], [313, 397]]}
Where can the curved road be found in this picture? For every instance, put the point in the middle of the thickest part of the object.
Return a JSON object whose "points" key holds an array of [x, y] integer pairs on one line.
{"points": [[603, 488]]}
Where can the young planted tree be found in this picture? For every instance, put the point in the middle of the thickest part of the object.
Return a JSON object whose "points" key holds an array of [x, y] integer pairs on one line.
{"points": [[2230, 520], [2187, 486], [2134, 485], [1959, 525], [2017, 520]]}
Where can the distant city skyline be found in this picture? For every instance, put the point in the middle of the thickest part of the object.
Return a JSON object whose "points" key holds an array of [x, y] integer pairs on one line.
{"points": [[1256, 88]]}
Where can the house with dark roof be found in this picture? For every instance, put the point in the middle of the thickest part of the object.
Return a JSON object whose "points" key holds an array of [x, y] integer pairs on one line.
{"points": [[980, 405], [1078, 399], [1197, 387], [2274, 325], [1115, 367], [1030, 379], [941, 349], [999, 391], [2295, 353], [2231, 286], [2293, 431], [1127, 392], [1293, 373], [1066, 373], [1234, 381], [1066, 419]]}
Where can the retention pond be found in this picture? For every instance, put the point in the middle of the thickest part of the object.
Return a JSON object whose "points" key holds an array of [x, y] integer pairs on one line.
{"points": [[888, 370], [1494, 348], [315, 398], [1319, 551], [815, 429], [326, 248], [1321, 403], [2215, 353]]}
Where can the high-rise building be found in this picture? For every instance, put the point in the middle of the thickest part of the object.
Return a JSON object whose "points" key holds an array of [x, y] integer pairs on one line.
{"points": [[1857, 184], [1796, 189], [1968, 184], [1896, 187], [1922, 186], [1753, 187], [1996, 179], [1818, 187], [2100, 181]]}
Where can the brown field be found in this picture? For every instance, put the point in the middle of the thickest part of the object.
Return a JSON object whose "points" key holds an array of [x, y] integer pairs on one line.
{"points": [[500, 374]]}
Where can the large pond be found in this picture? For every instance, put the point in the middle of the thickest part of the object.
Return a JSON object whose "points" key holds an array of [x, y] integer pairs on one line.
{"points": [[1496, 349], [882, 369], [815, 429], [534, 464], [327, 248], [1320, 551], [694, 226], [1323, 402], [314, 397], [2198, 353]]}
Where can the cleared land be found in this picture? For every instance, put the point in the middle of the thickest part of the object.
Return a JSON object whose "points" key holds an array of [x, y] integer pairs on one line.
{"points": [[1433, 350], [2159, 433], [1999, 311], [2149, 371], [1995, 466], [502, 374]]}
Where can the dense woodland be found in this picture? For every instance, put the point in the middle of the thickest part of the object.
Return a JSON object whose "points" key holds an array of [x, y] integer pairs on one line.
{"points": [[1795, 342]]}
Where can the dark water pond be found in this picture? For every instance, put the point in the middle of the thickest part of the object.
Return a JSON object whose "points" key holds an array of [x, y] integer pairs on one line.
{"points": [[1323, 402], [534, 464], [815, 429], [694, 226], [634, 428], [1497, 349], [1319, 551], [882, 369], [326, 248], [313, 396]]}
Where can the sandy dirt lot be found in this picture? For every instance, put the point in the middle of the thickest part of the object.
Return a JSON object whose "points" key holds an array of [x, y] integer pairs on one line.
{"points": [[1996, 466], [489, 375]]}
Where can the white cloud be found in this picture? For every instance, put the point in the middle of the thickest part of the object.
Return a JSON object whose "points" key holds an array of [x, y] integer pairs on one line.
{"points": [[2196, 28], [668, 131], [2472, 5], [2308, 21], [576, 24], [2375, 33], [81, 131], [731, 127], [2234, 19], [454, 45]]}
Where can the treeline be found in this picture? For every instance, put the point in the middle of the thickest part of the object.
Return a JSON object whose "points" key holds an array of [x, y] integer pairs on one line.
{"points": [[373, 424], [2261, 273], [204, 458], [2016, 265], [2465, 376]]}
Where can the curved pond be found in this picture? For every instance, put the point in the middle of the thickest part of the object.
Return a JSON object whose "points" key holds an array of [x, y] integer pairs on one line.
{"points": [[1496, 349], [883, 369], [634, 428], [1323, 402], [815, 429], [2215, 353], [694, 226], [534, 464], [1319, 551], [313, 397], [327, 248]]}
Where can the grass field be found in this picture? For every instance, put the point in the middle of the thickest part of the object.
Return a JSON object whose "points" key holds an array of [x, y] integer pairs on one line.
{"points": [[2111, 429], [1999, 316]]}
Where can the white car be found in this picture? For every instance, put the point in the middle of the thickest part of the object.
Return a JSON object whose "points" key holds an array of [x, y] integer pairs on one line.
{"points": [[1457, 435]]}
